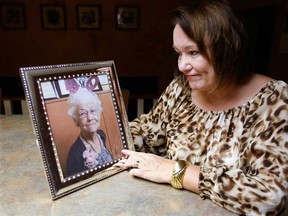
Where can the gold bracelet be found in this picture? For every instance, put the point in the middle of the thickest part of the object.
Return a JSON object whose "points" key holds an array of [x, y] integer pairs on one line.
{"points": [[178, 174]]}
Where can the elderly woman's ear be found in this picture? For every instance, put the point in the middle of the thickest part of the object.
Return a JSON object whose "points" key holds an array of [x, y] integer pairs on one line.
{"points": [[76, 121]]}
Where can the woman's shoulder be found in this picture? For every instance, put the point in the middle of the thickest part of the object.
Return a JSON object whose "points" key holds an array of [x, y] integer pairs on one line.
{"points": [[178, 86], [269, 91], [175, 93], [261, 84], [265, 84], [78, 145]]}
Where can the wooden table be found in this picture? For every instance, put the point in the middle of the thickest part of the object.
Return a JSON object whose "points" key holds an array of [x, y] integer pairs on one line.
{"points": [[24, 188]]}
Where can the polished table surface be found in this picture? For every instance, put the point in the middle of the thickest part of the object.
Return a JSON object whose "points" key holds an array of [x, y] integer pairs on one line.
{"points": [[24, 189]]}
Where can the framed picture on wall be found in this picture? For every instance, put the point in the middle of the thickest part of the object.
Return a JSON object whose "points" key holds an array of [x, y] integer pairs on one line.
{"points": [[89, 16], [12, 16], [53, 17], [64, 121], [127, 17]]}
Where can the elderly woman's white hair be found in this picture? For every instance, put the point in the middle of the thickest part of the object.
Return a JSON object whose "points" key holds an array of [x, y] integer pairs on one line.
{"points": [[82, 96]]}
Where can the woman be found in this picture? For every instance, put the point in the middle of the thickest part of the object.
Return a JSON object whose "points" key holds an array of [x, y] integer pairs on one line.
{"points": [[89, 149], [218, 129]]}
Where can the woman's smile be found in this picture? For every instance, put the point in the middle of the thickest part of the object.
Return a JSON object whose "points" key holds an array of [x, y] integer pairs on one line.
{"points": [[193, 77]]}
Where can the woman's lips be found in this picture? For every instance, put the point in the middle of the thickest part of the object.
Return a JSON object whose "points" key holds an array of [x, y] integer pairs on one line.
{"points": [[193, 77], [92, 123]]}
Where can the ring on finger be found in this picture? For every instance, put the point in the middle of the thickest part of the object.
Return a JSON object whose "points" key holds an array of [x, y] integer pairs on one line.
{"points": [[137, 163]]}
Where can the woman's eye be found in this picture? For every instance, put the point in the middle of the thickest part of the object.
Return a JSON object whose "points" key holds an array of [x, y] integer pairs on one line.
{"points": [[193, 53], [82, 114], [93, 111]]}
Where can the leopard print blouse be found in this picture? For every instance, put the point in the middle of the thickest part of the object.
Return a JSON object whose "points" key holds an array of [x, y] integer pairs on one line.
{"points": [[242, 152]]}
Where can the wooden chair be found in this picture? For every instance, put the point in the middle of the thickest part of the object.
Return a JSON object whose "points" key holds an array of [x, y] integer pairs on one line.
{"points": [[8, 105]]}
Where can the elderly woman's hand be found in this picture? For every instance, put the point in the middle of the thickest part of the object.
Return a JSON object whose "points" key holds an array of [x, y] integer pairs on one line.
{"points": [[147, 166]]}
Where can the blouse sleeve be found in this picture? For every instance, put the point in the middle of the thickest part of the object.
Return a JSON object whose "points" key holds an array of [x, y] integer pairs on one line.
{"points": [[149, 130], [260, 185]]}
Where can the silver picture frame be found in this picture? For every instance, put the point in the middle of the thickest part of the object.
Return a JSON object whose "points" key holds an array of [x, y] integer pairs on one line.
{"points": [[55, 130]]}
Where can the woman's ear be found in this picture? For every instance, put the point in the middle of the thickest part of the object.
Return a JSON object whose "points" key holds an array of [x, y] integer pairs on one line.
{"points": [[76, 121]]}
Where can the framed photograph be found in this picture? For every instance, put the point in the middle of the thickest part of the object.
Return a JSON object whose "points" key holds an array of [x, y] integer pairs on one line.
{"points": [[81, 125], [89, 16], [12, 16], [53, 17], [127, 17]]}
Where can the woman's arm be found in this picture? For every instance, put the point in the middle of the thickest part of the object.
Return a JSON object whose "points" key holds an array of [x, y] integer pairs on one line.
{"points": [[149, 130]]}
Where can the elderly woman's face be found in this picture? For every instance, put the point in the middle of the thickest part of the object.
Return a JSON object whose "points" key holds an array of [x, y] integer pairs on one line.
{"points": [[88, 117]]}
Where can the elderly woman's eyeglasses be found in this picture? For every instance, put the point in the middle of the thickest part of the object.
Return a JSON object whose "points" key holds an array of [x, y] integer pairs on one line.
{"points": [[84, 113]]}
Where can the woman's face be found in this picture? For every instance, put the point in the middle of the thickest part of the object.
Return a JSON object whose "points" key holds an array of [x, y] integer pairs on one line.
{"points": [[88, 117], [198, 70]]}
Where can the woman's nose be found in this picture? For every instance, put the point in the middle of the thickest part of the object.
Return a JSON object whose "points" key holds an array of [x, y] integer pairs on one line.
{"points": [[184, 64], [89, 115]]}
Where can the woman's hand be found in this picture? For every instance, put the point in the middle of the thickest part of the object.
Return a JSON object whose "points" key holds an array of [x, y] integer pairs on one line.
{"points": [[147, 166], [157, 169]]}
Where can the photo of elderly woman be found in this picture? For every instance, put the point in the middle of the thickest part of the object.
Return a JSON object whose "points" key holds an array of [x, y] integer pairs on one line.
{"points": [[89, 149]]}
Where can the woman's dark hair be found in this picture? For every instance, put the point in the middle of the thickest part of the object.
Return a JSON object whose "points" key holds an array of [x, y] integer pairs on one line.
{"points": [[216, 28]]}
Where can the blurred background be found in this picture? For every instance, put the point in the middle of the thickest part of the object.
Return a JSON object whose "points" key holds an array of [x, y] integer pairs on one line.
{"points": [[142, 50]]}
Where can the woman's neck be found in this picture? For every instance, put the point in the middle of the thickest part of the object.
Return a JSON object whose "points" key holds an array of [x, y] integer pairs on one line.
{"points": [[89, 137], [216, 101], [92, 140], [231, 96]]}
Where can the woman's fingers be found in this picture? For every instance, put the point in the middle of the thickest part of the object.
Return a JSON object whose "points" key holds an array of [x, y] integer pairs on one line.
{"points": [[137, 173], [127, 153], [126, 163], [120, 163], [147, 166], [153, 167]]}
